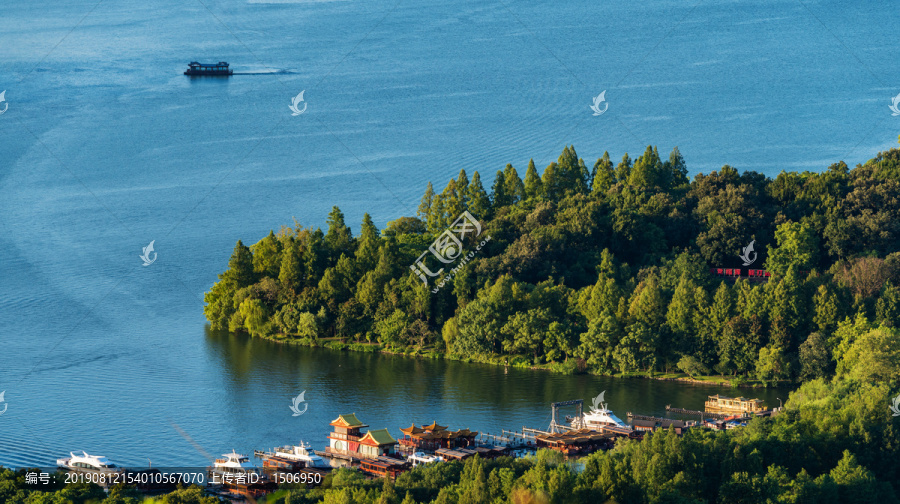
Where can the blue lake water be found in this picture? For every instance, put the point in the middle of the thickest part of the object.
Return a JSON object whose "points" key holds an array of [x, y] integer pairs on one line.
{"points": [[105, 146]]}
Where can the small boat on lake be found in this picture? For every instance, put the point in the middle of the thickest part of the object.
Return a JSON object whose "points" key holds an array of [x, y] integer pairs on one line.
{"points": [[219, 69], [86, 463]]}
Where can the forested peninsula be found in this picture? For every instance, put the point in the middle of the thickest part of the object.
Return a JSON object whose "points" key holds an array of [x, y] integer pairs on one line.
{"points": [[603, 269]]}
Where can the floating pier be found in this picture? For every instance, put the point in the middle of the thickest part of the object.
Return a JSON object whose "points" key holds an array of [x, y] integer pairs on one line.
{"points": [[513, 439], [683, 411], [649, 418]]}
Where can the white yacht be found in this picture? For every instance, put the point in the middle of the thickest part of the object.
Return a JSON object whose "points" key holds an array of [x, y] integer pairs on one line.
{"points": [[599, 416], [419, 458], [303, 454], [234, 464], [85, 462]]}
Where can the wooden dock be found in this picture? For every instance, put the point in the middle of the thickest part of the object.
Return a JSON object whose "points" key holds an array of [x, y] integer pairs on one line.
{"points": [[683, 411], [512, 439], [649, 418]]}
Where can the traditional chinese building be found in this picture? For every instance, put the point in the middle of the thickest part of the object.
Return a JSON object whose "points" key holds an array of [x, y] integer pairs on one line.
{"points": [[345, 438], [347, 441], [433, 437], [377, 443]]}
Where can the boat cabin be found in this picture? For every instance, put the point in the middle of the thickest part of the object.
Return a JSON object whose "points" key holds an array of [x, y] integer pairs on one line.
{"points": [[722, 404], [217, 69]]}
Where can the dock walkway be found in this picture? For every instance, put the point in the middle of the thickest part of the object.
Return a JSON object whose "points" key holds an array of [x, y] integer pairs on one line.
{"points": [[702, 414]]}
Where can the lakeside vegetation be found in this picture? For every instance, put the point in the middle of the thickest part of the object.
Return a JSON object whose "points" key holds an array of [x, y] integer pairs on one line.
{"points": [[835, 442], [607, 271], [602, 270]]}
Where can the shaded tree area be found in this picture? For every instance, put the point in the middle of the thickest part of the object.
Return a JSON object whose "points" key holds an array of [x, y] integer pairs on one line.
{"points": [[600, 267]]}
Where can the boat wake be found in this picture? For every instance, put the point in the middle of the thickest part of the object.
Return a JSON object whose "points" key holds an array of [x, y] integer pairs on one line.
{"points": [[266, 72]]}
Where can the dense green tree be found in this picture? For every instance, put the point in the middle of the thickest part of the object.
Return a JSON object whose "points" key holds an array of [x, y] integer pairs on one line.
{"points": [[513, 185], [647, 304], [637, 349], [240, 267], [815, 358], [887, 309], [533, 187], [874, 356], [424, 210], [267, 256], [462, 186], [599, 342], [738, 347], [291, 273], [797, 246], [677, 169], [680, 315], [338, 238], [647, 170], [772, 365], [603, 176], [828, 311], [479, 203], [500, 197], [623, 169]]}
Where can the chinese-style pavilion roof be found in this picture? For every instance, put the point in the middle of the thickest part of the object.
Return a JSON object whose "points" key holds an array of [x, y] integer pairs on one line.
{"points": [[378, 437], [349, 421], [412, 430], [425, 434], [434, 427]]}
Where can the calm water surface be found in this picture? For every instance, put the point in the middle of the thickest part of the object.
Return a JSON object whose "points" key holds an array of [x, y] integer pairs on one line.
{"points": [[105, 146]]}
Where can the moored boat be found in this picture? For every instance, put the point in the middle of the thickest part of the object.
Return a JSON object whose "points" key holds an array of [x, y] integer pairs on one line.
{"points": [[236, 473], [419, 458], [85, 462], [298, 453], [722, 404], [599, 416]]}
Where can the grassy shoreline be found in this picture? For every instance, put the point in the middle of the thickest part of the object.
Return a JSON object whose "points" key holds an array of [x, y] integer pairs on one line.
{"points": [[513, 361]]}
